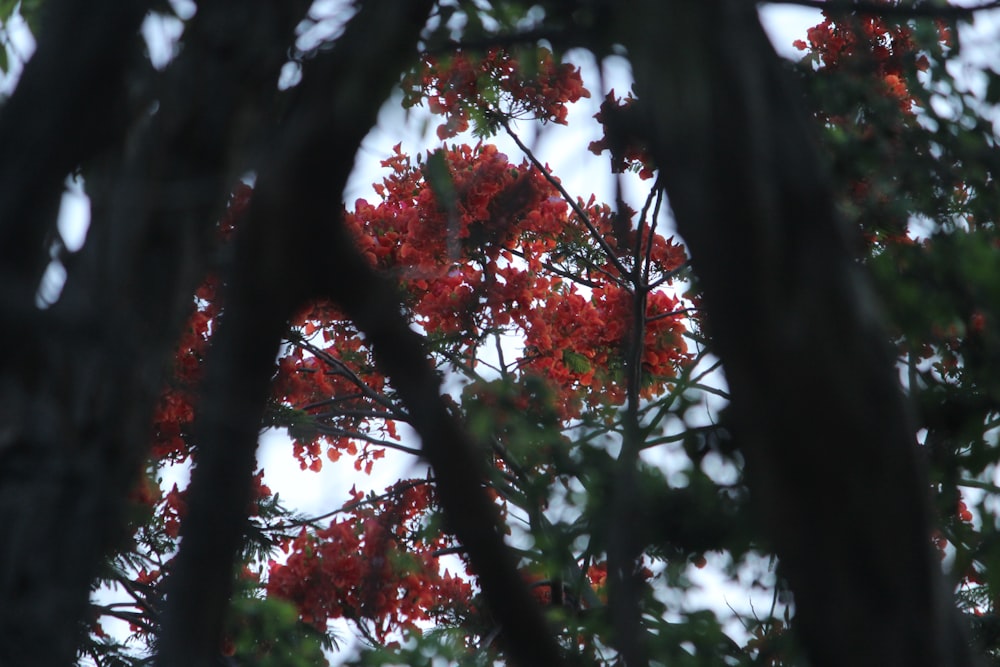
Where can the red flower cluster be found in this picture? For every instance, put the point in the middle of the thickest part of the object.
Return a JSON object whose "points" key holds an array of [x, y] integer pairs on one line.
{"points": [[484, 261], [360, 568], [619, 119], [575, 342], [882, 46], [888, 53], [533, 86]]}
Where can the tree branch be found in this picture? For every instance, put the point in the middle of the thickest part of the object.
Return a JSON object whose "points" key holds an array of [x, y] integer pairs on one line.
{"points": [[68, 105], [580, 213], [266, 287], [923, 10]]}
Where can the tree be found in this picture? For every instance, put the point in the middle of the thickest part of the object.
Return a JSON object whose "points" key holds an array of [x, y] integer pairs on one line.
{"points": [[191, 282]]}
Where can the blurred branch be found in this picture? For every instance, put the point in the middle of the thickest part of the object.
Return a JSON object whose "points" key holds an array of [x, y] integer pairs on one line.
{"points": [[922, 10], [297, 192]]}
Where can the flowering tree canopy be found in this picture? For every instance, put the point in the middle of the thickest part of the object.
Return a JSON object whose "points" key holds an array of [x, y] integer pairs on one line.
{"points": [[774, 365]]}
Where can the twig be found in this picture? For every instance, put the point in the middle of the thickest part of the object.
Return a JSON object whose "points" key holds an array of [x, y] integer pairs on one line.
{"points": [[672, 313], [976, 484], [580, 213], [562, 272], [667, 277], [313, 521], [326, 429], [657, 189], [344, 370]]}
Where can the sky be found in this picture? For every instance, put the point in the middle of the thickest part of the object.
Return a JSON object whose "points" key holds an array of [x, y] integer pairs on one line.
{"points": [[563, 148]]}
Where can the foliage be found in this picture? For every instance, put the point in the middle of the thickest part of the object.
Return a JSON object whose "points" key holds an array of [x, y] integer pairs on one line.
{"points": [[572, 332], [914, 155]]}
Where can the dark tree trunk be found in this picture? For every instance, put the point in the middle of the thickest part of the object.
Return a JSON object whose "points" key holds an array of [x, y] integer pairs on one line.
{"points": [[80, 378], [831, 456]]}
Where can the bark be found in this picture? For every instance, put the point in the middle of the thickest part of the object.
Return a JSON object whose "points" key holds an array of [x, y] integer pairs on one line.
{"points": [[831, 456]]}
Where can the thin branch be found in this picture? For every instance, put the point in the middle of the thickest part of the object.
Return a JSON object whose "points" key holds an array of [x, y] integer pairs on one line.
{"points": [[715, 391], [509, 459], [504, 372], [437, 553], [903, 11], [658, 190], [580, 213], [133, 617], [459, 362], [976, 484], [346, 371], [991, 424], [561, 272], [711, 428], [326, 429], [718, 364], [362, 414], [313, 521], [667, 277], [672, 313], [683, 382]]}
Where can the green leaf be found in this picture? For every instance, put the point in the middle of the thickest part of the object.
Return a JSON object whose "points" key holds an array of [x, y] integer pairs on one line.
{"points": [[575, 361], [31, 11], [7, 8], [438, 176]]}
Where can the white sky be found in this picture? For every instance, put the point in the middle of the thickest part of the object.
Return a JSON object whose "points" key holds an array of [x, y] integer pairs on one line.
{"points": [[563, 148]]}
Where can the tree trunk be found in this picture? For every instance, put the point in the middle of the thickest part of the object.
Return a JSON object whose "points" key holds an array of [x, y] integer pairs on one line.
{"points": [[831, 456]]}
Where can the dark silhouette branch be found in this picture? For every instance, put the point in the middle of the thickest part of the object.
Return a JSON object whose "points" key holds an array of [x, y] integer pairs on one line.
{"points": [[922, 10], [297, 192]]}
